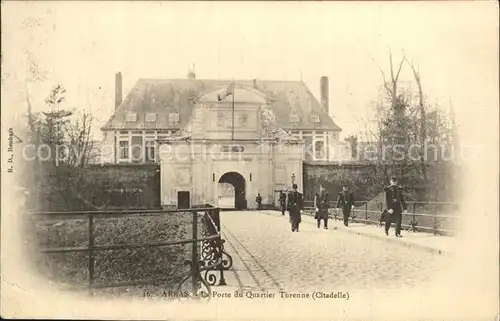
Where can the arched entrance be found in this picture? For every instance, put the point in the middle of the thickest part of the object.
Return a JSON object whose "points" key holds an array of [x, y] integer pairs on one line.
{"points": [[237, 193]]}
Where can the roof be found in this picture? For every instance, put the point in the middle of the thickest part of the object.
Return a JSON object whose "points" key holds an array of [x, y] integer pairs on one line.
{"points": [[164, 96]]}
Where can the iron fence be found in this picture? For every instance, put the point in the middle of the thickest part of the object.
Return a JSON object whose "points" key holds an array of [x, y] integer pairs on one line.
{"points": [[420, 216], [208, 256]]}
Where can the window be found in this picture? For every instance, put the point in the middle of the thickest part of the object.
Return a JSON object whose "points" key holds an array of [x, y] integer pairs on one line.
{"points": [[319, 150], [131, 117], [150, 151], [136, 149], [314, 118], [294, 118], [150, 118], [232, 148], [173, 118], [124, 149]]}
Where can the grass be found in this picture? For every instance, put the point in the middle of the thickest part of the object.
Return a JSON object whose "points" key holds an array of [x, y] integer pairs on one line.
{"points": [[113, 266]]}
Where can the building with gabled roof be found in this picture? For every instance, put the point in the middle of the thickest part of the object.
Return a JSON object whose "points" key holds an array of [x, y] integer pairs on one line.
{"points": [[260, 130]]}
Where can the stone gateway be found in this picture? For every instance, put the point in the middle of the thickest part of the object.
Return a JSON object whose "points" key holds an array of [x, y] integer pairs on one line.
{"points": [[220, 142]]}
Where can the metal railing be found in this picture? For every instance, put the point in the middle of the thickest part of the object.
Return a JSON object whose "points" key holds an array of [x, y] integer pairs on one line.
{"points": [[420, 216], [207, 252]]}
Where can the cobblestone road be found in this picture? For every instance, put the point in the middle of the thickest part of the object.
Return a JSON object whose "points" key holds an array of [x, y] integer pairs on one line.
{"points": [[269, 257]]}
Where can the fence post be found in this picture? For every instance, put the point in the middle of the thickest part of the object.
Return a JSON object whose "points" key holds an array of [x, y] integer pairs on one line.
{"points": [[366, 213], [91, 251], [222, 280], [413, 216], [194, 257], [434, 219], [381, 214]]}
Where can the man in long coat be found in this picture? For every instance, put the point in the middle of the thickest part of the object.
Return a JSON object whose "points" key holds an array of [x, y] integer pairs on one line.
{"points": [[345, 201], [295, 205], [282, 202], [396, 205], [321, 203], [258, 200]]}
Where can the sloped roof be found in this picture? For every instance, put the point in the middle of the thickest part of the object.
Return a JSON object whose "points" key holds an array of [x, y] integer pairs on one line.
{"points": [[164, 96]]}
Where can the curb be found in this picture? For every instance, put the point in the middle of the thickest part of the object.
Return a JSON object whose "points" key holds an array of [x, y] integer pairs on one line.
{"points": [[397, 241], [380, 237]]}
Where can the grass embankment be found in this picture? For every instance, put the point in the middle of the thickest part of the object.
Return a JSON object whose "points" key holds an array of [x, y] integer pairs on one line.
{"points": [[113, 266]]}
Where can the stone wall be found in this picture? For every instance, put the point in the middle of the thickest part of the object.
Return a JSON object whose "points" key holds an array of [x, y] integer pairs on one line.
{"points": [[331, 176], [99, 187], [442, 177]]}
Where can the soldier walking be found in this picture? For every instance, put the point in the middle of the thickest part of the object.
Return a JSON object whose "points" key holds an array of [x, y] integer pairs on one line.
{"points": [[321, 203], [295, 205], [258, 199], [396, 205], [283, 202], [345, 201]]}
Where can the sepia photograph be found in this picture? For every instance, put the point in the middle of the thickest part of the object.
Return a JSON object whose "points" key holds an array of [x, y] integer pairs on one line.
{"points": [[250, 160]]}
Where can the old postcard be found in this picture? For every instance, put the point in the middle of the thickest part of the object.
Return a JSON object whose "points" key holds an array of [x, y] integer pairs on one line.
{"points": [[250, 160]]}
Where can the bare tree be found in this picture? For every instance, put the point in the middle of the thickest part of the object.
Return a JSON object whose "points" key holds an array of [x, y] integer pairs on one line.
{"points": [[393, 123], [392, 86], [79, 138], [423, 123], [408, 124]]}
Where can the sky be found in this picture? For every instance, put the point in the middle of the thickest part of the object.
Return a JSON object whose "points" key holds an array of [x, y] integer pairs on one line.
{"points": [[82, 45]]}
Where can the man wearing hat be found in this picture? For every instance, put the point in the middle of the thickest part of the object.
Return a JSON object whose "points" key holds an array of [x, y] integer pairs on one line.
{"points": [[395, 206], [283, 202], [295, 205], [321, 203], [345, 201], [258, 200]]}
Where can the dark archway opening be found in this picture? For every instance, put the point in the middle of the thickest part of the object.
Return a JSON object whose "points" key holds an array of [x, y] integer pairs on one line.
{"points": [[238, 183]]}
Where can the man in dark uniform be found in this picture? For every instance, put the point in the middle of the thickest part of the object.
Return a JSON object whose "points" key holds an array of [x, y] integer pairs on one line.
{"points": [[295, 205], [345, 201], [396, 205], [383, 217], [258, 199], [321, 203], [283, 202]]}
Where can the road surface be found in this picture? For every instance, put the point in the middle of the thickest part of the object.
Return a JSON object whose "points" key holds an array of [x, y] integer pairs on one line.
{"points": [[269, 257]]}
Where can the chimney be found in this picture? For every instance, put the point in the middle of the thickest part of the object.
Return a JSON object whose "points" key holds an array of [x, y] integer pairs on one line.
{"points": [[324, 94], [118, 89], [254, 83], [191, 73]]}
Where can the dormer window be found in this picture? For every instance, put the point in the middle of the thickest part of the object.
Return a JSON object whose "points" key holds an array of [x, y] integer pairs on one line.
{"points": [[314, 118], [173, 118], [131, 117], [294, 118], [150, 118]]}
